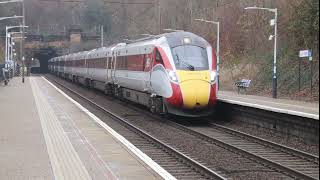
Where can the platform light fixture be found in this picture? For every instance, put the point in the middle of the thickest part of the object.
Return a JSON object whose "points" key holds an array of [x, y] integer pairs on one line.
{"points": [[11, 1], [10, 17], [9, 38], [14, 17]]}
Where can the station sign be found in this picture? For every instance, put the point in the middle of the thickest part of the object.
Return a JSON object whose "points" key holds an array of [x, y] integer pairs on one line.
{"points": [[305, 53]]}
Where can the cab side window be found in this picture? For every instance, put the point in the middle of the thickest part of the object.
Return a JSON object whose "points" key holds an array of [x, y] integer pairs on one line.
{"points": [[159, 58]]}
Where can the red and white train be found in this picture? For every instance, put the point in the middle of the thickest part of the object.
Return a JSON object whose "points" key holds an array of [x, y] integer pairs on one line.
{"points": [[171, 73]]}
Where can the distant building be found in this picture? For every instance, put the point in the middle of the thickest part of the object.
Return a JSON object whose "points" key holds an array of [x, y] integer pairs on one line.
{"points": [[75, 35]]}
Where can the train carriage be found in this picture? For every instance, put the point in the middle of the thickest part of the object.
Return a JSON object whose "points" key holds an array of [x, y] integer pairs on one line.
{"points": [[170, 73]]}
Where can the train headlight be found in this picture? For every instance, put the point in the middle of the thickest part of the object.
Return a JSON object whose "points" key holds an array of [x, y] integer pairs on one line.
{"points": [[213, 77], [173, 76]]}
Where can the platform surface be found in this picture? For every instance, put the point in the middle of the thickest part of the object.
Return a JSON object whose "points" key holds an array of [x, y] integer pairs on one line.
{"points": [[297, 108], [43, 135]]}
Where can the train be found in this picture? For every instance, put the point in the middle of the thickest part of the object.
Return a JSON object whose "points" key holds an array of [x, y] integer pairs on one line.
{"points": [[173, 73]]}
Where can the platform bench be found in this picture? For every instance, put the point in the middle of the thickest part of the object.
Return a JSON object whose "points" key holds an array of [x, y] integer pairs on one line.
{"points": [[243, 85]]}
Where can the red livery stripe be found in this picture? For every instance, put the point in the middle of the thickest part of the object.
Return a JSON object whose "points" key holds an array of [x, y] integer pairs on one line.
{"points": [[213, 95], [176, 98], [165, 59]]}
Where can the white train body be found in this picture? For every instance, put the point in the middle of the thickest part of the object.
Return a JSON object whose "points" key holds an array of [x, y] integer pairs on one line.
{"points": [[170, 73]]}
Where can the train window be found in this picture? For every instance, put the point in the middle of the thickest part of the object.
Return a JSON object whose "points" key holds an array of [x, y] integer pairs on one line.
{"points": [[158, 57], [190, 57]]}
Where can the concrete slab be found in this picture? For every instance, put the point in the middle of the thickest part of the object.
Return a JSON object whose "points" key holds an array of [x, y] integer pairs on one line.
{"points": [[23, 151], [298, 108]]}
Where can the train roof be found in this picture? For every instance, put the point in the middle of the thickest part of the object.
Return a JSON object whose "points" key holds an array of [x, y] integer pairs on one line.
{"points": [[179, 38], [146, 45]]}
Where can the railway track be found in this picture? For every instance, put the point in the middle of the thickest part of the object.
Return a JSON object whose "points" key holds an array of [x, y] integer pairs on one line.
{"points": [[293, 163], [175, 162]]}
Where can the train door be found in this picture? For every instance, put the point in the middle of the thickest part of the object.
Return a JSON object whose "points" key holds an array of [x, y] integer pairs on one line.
{"points": [[160, 83], [86, 67], [87, 61], [148, 64], [113, 67], [157, 60], [107, 67]]}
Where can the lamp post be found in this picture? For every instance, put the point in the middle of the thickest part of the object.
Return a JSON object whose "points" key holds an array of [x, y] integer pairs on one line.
{"points": [[9, 38], [11, 44], [274, 23], [218, 47]]}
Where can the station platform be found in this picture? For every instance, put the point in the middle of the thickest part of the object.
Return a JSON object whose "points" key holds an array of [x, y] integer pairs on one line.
{"points": [[44, 134], [297, 108]]}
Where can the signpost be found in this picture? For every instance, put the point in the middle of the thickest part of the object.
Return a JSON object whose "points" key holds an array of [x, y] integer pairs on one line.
{"points": [[306, 54]]}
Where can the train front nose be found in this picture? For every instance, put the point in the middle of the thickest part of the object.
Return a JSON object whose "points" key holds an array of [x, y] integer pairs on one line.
{"points": [[195, 94], [195, 89]]}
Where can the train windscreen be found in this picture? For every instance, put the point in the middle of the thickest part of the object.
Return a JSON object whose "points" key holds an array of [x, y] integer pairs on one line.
{"points": [[190, 58]]}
